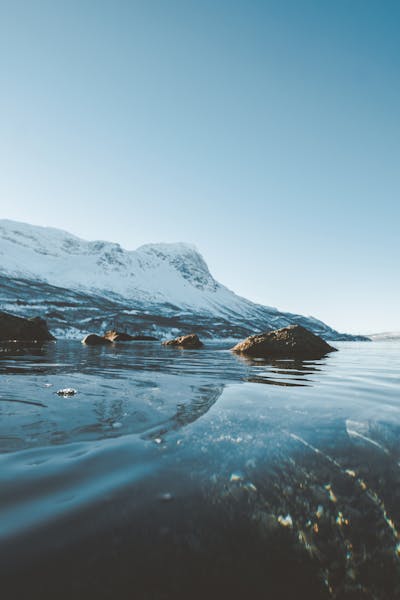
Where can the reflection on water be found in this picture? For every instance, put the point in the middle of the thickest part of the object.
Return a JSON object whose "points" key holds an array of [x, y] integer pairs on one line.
{"points": [[175, 475], [121, 389], [286, 373]]}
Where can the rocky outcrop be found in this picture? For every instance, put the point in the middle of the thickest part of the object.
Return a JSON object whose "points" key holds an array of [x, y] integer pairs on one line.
{"points": [[289, 342], [95, 340], [13, 328], [117, 336], [185, 341]]}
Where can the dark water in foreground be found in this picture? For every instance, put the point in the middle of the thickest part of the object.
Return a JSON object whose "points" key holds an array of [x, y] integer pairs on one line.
{"points": [[196, 474]]}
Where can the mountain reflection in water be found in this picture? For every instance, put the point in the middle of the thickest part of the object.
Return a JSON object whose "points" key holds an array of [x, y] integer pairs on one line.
{"points": [[173, 474]]}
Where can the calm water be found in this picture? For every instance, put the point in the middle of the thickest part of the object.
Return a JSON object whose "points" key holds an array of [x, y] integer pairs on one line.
{"points": [[192, 474]]}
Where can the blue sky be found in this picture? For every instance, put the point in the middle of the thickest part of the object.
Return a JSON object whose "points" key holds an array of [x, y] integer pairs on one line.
{"points": [[267, 133]]}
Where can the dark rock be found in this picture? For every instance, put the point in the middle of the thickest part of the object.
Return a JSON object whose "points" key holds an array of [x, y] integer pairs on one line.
{"points": [[66, 392], [117, 336], [185, 341], [23, 330], [290, 342], [95, 340]]}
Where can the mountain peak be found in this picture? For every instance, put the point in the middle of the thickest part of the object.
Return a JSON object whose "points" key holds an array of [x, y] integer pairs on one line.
{"points": [[185, 259], [170, 247], [163, 271]]}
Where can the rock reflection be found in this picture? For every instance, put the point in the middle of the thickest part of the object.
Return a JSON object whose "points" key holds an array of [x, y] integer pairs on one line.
{"points": [[270, 381], [15, 357], [122, 389], [286, 373]]}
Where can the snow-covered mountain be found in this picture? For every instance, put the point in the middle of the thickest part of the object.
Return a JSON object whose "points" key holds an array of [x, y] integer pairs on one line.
{"points": [[82, 286]]}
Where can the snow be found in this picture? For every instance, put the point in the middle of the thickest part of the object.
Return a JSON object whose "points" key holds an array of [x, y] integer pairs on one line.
{"points": [[154, 273], [69, 333]]}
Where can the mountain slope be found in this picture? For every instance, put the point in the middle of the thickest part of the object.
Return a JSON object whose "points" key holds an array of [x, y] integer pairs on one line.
{"points": [[163, 288]]}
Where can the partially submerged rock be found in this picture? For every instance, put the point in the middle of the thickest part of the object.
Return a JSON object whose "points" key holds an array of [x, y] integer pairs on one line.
{"points": [[289, 342], [66, 392], [95, 340], [13, 328], [185, 341], [118, 336]]}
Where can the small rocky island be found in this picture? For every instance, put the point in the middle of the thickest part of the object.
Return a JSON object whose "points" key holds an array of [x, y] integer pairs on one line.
{"points": [[122, 336], [92, 339], [289, 342], [19, 329], [185, 341]]}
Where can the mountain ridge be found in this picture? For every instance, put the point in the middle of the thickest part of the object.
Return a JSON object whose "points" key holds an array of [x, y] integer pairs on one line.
{"points": [[39, 266]]}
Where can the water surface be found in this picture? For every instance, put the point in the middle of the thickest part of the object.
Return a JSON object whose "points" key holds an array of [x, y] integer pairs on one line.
{"points": [[191, 473]]}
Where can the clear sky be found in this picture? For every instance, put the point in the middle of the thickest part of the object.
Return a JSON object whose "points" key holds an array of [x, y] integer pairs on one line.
{"points": [[265, 132]]}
